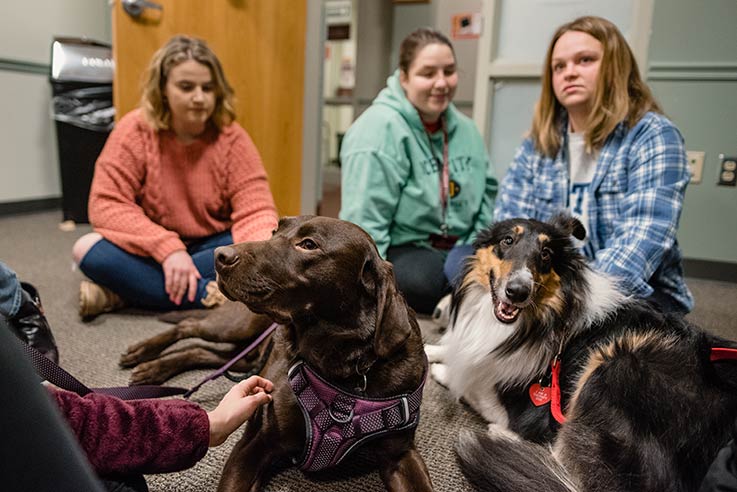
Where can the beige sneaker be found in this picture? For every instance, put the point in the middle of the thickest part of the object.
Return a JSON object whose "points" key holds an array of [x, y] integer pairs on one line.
{"points": [[95, 299], [214, 297]]}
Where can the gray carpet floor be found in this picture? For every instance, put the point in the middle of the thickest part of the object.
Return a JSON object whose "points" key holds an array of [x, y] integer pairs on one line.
{"points": [[35, 247]]}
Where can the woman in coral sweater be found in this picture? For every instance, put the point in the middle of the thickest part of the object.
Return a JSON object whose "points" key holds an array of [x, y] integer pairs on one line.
{"points": [[177, 178]]}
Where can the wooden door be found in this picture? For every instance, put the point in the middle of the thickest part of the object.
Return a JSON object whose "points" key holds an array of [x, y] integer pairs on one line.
{"points": [[261, 46]]}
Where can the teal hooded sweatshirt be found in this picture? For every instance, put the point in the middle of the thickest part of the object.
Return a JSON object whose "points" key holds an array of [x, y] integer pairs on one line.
{"points": [[390, 177]]}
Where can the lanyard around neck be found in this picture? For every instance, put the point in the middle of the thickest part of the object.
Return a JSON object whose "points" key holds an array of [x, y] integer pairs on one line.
{"points": [[444, 175]]}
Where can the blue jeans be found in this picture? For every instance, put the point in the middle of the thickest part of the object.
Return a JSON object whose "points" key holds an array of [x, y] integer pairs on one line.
{"points": [[139, 280], [424, 275], [10, 291]]}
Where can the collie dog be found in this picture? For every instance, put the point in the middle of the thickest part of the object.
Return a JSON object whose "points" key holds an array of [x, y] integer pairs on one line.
{"points": [[550, 351]]}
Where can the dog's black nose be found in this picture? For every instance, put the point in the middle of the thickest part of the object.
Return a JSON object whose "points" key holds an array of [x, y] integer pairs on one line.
{"points": [[225, 255], [517, 290]]}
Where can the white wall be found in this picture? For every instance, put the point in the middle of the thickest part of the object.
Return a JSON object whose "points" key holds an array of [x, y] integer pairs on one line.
{"points": [[29, 166]]}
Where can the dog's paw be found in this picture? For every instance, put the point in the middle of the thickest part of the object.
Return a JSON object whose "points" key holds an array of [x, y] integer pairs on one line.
{"points": [[439, 373], [147, 373], [435, 353], [500, 432], [441, 313], [140, 352]]}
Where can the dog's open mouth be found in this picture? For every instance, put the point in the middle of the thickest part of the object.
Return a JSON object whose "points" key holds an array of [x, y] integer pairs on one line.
{"points": [[504, 312]]}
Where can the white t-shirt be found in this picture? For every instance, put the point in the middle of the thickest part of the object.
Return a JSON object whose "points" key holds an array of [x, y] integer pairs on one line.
{"points": [[581, 166]]}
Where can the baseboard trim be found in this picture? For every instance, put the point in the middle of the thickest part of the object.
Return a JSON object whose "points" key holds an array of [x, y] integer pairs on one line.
{"points": [[711, 270], [27, 206]]}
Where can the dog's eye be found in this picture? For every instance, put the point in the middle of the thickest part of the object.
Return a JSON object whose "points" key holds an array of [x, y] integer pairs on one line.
{"points": [[546, 254], [508, 241], [307, 244]]}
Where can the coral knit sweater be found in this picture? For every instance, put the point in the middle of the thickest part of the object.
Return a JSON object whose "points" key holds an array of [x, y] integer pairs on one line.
{"points": [[151, 193]]}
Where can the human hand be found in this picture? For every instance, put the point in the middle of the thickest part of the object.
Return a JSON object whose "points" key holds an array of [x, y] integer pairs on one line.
{"points": [[238, 405], [180, 276]]}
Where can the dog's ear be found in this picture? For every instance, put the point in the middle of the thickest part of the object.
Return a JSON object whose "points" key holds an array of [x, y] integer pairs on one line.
{"points": [[570, 225], [392, 318]]}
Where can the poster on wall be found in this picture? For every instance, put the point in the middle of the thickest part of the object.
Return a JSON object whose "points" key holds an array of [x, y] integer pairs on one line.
{"points": [[466, 26]]}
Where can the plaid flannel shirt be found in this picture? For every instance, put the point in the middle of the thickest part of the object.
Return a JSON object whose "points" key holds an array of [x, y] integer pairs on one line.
{"points": [[635, 202]]}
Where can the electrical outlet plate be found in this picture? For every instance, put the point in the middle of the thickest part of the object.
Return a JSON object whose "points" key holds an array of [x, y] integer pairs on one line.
{"points": [[728, 171], [695, 164]]}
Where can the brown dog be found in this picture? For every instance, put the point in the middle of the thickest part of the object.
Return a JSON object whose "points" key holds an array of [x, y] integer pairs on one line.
{"points": [[342, 315]]}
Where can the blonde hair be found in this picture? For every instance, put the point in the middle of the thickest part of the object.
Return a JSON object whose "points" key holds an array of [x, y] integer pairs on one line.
{"points": [[621, 95], [179, 49]]}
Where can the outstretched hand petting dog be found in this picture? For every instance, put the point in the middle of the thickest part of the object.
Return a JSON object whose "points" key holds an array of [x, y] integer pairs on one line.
{"points": [[238, 405]]}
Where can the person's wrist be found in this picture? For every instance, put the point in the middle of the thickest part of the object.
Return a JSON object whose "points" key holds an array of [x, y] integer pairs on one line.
{"points": [[217, 433]]}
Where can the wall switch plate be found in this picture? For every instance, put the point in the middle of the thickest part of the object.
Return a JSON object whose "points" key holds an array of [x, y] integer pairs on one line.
{"points": [[695, 164], [728, 171]]}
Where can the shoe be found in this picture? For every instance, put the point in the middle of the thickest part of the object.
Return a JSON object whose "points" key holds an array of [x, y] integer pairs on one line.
{"points": [[95, 299], [30, 324], [441, 313], [214, 297]]}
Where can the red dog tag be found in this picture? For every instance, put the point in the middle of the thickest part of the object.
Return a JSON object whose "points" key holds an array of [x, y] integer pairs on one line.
{"points": [[539, 395]]}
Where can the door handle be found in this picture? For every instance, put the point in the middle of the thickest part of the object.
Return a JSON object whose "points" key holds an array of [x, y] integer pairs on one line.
{"points": [[135, 8]]}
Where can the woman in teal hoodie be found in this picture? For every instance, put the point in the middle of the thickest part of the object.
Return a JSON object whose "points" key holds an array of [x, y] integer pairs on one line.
{"points": [[415, 173]]}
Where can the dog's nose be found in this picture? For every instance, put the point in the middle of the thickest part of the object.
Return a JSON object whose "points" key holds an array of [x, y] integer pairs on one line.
{"points": [[227, 256], [517, 290]]}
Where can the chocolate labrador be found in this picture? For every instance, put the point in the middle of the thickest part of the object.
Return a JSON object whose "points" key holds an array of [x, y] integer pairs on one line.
{"points": [[347, 361]]}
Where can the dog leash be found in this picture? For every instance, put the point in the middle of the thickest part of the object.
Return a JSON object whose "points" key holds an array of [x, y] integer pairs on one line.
{"points": [[722, 353], [232, 361], [54, 374]]}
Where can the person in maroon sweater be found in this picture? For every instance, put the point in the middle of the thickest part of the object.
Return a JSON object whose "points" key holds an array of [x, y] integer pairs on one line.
{"points": [[122, 440], [155, 436]]}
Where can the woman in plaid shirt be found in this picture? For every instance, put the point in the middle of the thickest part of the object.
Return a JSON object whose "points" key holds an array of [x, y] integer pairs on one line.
{"points": [[600, 147]]}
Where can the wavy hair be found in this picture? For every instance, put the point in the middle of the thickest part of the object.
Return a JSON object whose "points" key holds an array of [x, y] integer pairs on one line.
{"points": [[179, 49], [620, 94]]}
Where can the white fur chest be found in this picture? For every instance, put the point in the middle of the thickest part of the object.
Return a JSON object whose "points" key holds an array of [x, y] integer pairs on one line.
{"points": [[470, 342]]}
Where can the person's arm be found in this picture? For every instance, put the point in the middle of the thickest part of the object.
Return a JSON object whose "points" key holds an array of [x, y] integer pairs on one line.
{"points": [[254, 213], [119, 175], [516, 197], [646, 226], [371, 185], [155, 436]]}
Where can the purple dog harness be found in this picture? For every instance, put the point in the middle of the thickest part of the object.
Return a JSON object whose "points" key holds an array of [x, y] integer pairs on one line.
{"points": [[338, 422]]}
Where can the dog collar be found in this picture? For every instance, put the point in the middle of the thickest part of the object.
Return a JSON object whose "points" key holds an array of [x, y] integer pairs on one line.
{"points": [[338, 422]]}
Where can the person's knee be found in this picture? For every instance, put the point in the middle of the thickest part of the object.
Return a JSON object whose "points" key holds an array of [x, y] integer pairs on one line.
{"points": [[422, 291], [83, 245]]}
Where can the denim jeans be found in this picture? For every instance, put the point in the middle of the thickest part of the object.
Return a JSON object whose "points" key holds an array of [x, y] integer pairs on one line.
{"points": [[10, 291], [140, 280], [424, 275]]}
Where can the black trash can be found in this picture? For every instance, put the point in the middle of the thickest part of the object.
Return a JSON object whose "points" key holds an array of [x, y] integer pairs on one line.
{"points": [[82, 106]]}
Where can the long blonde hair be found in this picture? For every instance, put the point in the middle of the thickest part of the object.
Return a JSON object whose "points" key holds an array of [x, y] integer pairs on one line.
{"points": [[621, 95], [179, 49]]}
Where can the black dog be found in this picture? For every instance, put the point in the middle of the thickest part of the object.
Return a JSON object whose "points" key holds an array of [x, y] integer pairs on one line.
{"points": [[632, 398]]}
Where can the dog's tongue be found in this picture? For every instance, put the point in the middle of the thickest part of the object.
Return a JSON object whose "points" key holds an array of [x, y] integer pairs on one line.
{"points": [[507, 312], [507, 309]]}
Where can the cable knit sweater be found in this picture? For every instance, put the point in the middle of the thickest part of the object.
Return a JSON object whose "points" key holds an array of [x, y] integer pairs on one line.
{"points": [[151, 192], [136, 436]]}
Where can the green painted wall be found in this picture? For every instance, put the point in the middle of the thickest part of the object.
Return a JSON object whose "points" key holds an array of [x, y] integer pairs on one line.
{"points": [[692, 70]]}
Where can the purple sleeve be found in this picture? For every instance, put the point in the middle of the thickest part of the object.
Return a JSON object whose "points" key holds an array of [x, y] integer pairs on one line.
{"points": [[136, 436]]}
